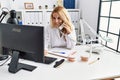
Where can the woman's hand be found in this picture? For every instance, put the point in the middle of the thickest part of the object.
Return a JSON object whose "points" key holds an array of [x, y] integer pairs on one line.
{"points": [[66, 29]]}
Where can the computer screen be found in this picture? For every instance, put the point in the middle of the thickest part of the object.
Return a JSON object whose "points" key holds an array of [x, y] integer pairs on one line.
{"points": [[28, 40]]}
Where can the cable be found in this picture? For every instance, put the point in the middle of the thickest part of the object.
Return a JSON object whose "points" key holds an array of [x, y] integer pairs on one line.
{"points": [[5, 61]]}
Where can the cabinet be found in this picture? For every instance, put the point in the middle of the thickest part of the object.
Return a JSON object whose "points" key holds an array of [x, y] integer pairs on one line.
{"points": [[33, 18], [42, 17]]}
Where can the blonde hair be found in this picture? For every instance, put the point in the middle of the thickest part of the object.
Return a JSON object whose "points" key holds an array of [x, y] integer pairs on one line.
{"points": [[64, 15]]}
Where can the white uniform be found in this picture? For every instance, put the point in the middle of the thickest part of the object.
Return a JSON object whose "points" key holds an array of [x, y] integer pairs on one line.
{"points": [[53, 39]]}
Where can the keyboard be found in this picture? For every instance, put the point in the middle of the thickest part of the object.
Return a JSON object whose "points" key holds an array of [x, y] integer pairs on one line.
{"points": [[49, 60]]}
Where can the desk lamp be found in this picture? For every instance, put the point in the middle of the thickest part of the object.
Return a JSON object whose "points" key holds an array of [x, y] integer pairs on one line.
{"points": [[12, 19], [82, 21], [105, 38]]}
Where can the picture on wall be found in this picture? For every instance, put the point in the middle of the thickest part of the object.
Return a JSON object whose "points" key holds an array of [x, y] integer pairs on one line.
{"points": [[29, 5]]}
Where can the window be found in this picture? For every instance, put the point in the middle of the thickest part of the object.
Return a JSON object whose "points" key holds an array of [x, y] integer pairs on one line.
{"points": [[109, 22]]}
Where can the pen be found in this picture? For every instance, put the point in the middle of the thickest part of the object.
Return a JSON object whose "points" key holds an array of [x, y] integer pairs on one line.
{"points": [[94, 61], [58, 52]]}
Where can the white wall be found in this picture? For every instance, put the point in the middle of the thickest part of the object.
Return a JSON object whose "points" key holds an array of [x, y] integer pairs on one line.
{"points": [[19, 4], [89, 10], [4, 3]]}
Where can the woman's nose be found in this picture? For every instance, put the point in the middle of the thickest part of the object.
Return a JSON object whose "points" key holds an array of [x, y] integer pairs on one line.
{"points": [[56, 20]]}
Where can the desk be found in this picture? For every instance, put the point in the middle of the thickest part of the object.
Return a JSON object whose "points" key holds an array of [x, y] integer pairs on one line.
{"points": [[108, 65]]}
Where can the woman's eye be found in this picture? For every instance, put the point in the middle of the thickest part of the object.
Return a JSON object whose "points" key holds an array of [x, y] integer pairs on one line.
{"points": [[58, 17], [54, 18]]}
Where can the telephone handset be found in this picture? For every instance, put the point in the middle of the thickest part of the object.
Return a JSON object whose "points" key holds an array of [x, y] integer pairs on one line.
{"points": [[61, 27]]}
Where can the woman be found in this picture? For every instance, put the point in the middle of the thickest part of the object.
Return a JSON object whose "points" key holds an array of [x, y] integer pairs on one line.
{"points": [[61, 32]]}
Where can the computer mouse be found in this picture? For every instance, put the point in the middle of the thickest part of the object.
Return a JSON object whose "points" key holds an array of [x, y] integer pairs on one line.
{"points": [[3, 57], [58, 63]]}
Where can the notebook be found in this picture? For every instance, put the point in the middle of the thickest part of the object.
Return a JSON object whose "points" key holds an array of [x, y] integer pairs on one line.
{"points": [[62, 52]]}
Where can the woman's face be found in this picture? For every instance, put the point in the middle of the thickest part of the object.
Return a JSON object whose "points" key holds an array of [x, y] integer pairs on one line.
{"points": [[57, 21]]}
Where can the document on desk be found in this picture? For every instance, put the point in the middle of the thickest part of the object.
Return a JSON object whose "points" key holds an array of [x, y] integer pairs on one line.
{"points": [[62, 52]]}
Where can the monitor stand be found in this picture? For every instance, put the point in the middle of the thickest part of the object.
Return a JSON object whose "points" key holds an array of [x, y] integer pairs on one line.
{"points": [[15, 66]]}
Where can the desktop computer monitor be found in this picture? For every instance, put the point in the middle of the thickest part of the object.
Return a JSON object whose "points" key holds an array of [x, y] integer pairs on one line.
{"points": [[23, 41], [27, 40]]}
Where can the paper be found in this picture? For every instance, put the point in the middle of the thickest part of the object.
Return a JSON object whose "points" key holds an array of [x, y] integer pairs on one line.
{"points": [[62, 52]]}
